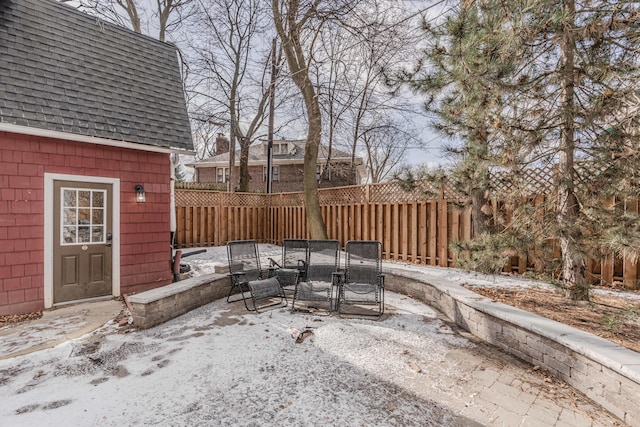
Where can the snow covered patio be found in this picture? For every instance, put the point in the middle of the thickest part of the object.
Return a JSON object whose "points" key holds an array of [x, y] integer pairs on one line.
{"points": [[220, 365]]}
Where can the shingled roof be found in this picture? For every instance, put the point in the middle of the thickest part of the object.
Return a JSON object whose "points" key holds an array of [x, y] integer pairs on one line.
{"points": [[63, 70], [258, 155]]}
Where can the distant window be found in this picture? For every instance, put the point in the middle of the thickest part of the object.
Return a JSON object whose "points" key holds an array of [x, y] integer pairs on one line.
{"points": [[282, 148], [222, 175], [275, 173]]}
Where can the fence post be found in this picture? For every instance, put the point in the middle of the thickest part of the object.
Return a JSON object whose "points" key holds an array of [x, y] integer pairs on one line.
{"points": [[366, 213], [443, 243], [630, 266]]}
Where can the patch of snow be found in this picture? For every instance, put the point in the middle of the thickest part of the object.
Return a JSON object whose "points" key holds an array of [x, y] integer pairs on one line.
{"points": [[213, 366], [221, 365]]}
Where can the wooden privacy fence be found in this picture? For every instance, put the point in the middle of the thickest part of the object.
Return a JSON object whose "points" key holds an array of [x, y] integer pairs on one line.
{"points": [[411, 228]]}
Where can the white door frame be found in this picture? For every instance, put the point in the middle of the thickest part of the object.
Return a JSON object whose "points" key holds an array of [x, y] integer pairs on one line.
{"points": [[49, 179]]}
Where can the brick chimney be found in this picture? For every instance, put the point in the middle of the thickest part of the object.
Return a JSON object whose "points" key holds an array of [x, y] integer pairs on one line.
{"points": [[222, 144]]}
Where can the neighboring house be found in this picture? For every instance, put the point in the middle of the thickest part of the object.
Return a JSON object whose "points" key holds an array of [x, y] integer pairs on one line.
{"points": [[288, 166], [89, 113]]}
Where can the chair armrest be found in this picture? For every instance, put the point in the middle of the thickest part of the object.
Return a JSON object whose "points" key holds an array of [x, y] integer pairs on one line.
{"points": [[381, 278], [238, 278], [302, 265], [273, 271], [273, 264]]}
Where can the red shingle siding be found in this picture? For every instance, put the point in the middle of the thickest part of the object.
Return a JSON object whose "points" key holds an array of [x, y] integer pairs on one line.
{"points": [[144, 240]]}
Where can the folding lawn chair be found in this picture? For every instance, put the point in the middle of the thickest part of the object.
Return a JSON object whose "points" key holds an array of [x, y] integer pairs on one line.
{"points": [[363, 282], [322, 265], [246, 276], [293, 266]]}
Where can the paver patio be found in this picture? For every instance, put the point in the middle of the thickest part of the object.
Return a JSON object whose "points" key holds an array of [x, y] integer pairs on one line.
{"points": [[220, 365]]}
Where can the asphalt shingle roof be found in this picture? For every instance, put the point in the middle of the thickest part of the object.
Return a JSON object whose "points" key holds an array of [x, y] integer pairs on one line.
{"points": [[63, 70], [257, 154]]}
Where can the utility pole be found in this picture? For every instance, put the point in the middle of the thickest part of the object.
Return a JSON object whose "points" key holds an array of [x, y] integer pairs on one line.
{"points": [[272, 93], [232, 148]]}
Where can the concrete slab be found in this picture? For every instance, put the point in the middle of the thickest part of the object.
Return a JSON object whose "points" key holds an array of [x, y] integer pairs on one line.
{"points": [[56, 326]]}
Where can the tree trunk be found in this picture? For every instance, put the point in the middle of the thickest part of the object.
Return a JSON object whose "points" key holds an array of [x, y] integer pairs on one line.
{"points": [[297, 63], [573, 264], [317, 227], [245, 177], [480, 212], [130, 7]]}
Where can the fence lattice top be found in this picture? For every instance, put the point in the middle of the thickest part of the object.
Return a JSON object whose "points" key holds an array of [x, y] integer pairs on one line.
{"points": [[535, 181]]}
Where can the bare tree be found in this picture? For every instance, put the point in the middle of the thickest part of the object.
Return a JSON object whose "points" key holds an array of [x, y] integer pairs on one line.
{"points": [[331, 70], [204, 137], [112, 11], [130, 7], [356, 102], [168, 9], [292, 20], [230, 59], [385, 146], [168, 13]]}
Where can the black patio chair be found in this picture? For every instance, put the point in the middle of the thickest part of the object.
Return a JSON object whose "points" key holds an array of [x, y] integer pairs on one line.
{"points": [[323, 259], [246, 276], [293, 266], [363, 281]]}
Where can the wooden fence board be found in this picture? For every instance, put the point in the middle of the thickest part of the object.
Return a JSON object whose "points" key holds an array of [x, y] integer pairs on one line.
{"points": [[422, 235], [455, 233], [630, 266], [433, 232], [387, 226], [395, 231], [414, 233], [443, 247]]}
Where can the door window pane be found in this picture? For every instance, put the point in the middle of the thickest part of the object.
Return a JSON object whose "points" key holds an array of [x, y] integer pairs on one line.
{"points": [[83, 216], [69, 216], [98, 199], [69, 234], [69, 197], [83, 234], [97, 216], [97, 234], [84, 198]]}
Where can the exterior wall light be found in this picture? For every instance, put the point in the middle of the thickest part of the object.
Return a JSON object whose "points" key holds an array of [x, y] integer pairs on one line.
{"points": [[140, 196]]}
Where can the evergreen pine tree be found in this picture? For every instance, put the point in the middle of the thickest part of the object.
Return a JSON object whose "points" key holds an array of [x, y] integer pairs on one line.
{"points": [[560, 83]]}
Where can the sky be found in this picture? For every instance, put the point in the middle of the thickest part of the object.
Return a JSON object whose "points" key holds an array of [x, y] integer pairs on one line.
{"points": [[427, 149]]}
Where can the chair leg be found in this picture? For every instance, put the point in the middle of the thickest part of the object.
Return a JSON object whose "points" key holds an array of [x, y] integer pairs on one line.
{"points": [[244, 299]]}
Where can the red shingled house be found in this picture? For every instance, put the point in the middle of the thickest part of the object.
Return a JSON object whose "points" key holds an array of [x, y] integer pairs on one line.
{"points": [[89, 116]]}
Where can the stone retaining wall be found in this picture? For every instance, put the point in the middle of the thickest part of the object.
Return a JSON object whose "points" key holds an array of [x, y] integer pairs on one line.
{"points": [[605, 372], [156, 306]]}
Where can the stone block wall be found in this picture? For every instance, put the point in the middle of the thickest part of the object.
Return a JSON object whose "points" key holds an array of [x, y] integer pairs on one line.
{"points": [[605, 372], [159, 305]]}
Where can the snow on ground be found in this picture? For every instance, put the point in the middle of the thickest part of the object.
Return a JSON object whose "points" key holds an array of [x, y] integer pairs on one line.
{"points": [[204, 263], [221, 365]]}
